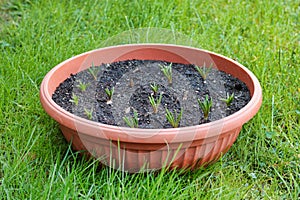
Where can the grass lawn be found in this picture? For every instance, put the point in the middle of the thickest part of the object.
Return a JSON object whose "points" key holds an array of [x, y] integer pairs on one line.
{"points": [[37, 163]]}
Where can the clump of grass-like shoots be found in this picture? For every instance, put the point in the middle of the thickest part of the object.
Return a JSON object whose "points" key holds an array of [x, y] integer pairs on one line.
{"points": [[174, 119], [75, 99], [154, 88], [205, 106], [229, 99], [94, 71], [88, 113], [109, 93], [132, 122], [203, 71], [167, 71], [82, 86], [155, 104]]}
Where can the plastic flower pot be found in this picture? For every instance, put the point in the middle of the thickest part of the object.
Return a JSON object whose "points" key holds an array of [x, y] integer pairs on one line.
{"points": [[137, 149]]}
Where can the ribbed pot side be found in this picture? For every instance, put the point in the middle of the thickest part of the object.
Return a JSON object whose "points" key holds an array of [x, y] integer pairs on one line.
{"points": [[135, 149]]}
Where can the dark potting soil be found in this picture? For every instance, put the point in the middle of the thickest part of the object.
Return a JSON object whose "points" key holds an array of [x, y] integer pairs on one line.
{"points": [[84, 93]]}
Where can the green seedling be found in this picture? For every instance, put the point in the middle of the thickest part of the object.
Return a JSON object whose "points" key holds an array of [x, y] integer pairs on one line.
{"points": [[155, 104], [94, 71], [88, 113], [132, 122], [205, 106], [229, 99], [109, 93], [167, 71], [82, 86], [154, 88], [75, 99], [203, 71], [173, 119]]}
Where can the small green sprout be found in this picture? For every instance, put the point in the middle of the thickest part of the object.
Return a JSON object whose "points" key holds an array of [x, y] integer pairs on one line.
{"points": [[82, 86], [167, 71], [88, 113], [155, 104], [154, 88], [173, 119], [203, 71], [109, 93], [229, 99], [94, 71], [205, 106], [132, 122], [75, 99]]}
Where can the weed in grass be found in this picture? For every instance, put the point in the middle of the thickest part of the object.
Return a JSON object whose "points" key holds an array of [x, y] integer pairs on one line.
{"points": [[75, 99], [155, 104], [205, 106], [203, 71], [132, 122], [167, 71], [229, 99], [174, 119]]}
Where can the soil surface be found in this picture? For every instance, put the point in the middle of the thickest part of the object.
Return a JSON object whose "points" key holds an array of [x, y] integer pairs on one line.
{"points": [[84, 93]]}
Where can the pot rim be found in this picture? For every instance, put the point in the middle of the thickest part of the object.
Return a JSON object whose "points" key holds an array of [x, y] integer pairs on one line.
{"points": [[226, 123]]}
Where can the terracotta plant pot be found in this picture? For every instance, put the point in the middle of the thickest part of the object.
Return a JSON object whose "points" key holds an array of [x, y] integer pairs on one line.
{"points": [[136, 149]]}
